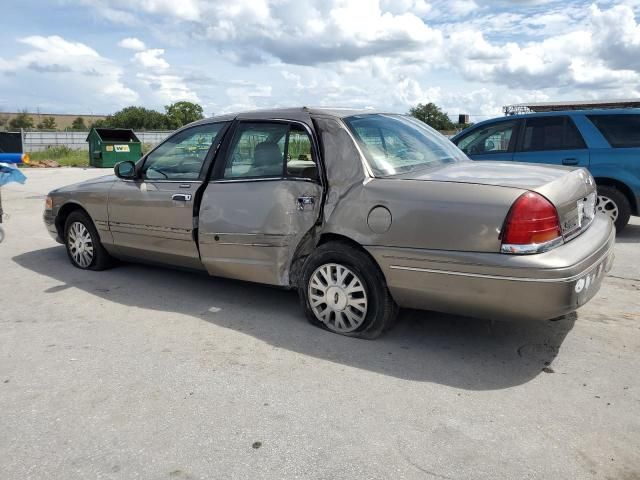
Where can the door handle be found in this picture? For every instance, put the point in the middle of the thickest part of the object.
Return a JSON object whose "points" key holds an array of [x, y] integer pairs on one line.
{"points": [[181, 197], [570, 161], [305, 200]]}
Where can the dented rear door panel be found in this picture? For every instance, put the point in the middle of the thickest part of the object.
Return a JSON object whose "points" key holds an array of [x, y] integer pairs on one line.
{"points": [[249, 230]]}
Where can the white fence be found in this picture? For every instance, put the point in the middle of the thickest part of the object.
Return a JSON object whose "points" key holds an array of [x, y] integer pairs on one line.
{"points": [[38, 141]]}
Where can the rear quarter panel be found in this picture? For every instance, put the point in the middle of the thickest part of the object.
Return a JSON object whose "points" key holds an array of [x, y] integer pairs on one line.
{"points": [[426, 214]]}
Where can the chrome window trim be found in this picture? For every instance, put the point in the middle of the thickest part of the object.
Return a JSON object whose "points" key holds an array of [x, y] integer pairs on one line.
{"points": [[265, 179], [143, 180]]}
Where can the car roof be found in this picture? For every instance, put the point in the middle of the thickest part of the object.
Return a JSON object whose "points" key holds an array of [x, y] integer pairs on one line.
{"points": [[302, 114], [592, 111]]}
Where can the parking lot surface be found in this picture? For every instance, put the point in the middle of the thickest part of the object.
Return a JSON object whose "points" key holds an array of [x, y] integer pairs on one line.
{"points": [[154, 373]]}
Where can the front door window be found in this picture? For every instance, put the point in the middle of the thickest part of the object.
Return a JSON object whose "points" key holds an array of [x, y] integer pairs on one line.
{"points": [[494, 138], [182, 155]]}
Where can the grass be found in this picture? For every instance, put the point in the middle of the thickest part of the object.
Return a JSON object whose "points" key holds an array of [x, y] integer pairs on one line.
{"points": [[65, 156]]}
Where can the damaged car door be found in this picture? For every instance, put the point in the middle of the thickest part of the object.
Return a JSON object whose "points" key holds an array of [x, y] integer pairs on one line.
{"points": [[265, 195], [151, 215]]}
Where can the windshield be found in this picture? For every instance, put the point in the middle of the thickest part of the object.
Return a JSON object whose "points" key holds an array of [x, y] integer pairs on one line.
{"points": [[396, 144]]}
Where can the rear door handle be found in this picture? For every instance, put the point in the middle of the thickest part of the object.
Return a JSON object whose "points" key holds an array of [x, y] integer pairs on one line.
{"points": [[570, 161], [304, 201], [181, 197]]}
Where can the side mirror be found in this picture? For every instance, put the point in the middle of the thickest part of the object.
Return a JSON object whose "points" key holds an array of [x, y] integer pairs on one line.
{"points": [[125, 170]]}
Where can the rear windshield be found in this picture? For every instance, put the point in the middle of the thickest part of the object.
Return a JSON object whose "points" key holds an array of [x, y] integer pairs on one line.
{"points": [[621, 131], [396, 144]]}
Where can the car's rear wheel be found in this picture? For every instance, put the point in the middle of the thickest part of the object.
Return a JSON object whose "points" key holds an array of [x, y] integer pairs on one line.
{"points": [[83, 244], [613, 203], [343, 290]]}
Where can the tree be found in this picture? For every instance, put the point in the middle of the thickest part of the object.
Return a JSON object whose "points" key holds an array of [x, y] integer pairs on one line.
{"points": [[182, 113], [47, 123], [78, 124], [102, 123], [22, 120], [431, 114], [137, 118]]}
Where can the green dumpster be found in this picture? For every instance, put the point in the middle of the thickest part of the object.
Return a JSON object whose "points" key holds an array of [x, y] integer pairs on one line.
{"points": [[108, 146]]}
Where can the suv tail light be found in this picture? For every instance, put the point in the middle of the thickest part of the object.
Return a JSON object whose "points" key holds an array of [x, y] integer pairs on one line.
{"points": [[532, 225]]}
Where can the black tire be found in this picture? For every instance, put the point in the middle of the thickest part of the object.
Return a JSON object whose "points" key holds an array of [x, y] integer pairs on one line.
{"points": [[100, 258], [620, 201], [381, 309]]}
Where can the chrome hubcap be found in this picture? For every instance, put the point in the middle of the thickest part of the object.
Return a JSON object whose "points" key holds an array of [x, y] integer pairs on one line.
{"points": [[338, 298], [607, 206], [80, 244]]}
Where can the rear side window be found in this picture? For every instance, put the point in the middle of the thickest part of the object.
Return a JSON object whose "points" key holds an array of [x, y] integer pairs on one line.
{"points": [[550, 133], [621, 131], [264, 149]]}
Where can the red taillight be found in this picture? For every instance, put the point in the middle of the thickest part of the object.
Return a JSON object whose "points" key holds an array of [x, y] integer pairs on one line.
{"points": [[532, 220]]}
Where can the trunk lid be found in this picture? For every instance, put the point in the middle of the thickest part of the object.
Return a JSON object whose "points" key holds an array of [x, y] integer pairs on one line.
{"points": [[571, 190]]}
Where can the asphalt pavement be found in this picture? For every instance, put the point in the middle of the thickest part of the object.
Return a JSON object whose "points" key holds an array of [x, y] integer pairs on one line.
{"points": [[153, 373]]}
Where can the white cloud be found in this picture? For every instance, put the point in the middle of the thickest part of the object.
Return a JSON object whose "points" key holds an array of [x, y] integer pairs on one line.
{"points": [[462, 7], [123, 11], [183, 9], [389, 54], [81, 67], [161, 84], [602, 54], [151, 59], [165, 88], [132, 43], [616, 36]]}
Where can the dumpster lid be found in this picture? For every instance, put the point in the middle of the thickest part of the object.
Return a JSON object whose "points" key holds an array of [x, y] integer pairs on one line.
{"points": [[115, 135]]}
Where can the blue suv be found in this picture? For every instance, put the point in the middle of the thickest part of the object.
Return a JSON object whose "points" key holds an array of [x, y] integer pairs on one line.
{"points": [[606, 142]]}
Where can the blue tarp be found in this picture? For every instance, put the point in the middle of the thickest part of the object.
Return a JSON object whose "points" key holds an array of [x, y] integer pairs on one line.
{"points": [[9, 174]]}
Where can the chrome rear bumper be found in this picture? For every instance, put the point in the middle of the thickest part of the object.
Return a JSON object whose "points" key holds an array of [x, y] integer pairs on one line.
{"points": [[501, 286]]}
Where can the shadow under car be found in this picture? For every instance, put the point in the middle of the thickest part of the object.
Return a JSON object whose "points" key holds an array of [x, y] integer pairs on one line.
{"points": [[423, 346]]}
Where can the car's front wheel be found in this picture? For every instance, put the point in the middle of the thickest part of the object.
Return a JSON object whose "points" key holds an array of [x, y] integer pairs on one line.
{"points": [[343, 290], [83, 243], [613, 203]]}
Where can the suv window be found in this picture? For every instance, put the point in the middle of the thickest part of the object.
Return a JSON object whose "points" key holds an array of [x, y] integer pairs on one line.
{"points": [[494, 138], [620, 130], [181, 156], [550, 133], [259, 150]]}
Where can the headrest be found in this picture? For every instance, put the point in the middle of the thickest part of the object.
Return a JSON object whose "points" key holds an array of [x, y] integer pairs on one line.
{"points": [[267, 153]]}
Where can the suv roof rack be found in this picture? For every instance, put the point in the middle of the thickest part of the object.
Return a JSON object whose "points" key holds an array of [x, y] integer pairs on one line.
{"points": [[568, 105]]}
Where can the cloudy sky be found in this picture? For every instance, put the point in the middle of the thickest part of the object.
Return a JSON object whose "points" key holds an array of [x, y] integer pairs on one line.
{"points": [[468, 56]]}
